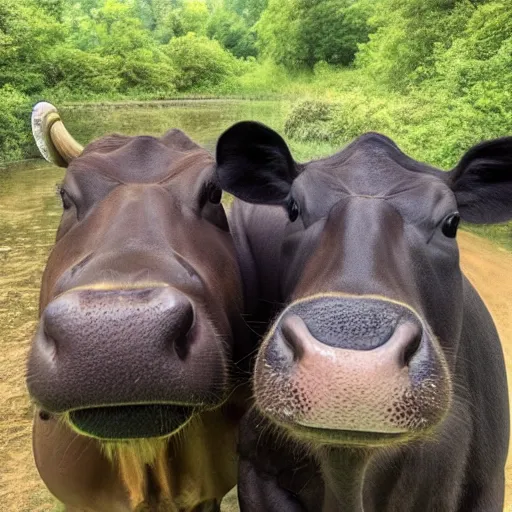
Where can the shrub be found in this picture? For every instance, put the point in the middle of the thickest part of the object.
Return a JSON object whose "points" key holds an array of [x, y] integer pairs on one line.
{"points": [[15, 135], [142, 70], [79, 71], [311, 120], [199, 61]]}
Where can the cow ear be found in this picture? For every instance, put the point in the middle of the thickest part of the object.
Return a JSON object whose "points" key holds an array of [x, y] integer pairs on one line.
{"points": [[482, 182], [255, 164]]}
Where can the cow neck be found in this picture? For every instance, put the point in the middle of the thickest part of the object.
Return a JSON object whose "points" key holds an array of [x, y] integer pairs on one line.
{"points": [[343, 471]]}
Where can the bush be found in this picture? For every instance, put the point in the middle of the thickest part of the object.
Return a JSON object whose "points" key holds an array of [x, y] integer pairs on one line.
{"points": [[199, 61], [82, 72], [311, 120], [142, 71], [15, 135]]}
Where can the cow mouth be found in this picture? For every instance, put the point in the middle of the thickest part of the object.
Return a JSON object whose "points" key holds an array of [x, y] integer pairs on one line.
{"points": [[355, 438], [130, 421]]}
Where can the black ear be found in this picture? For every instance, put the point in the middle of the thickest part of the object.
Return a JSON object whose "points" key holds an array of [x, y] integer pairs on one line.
{"points": [[255, 164], [482, 182]]}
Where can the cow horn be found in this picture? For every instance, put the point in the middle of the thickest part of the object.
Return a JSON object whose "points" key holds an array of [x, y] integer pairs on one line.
{"points": [[53, 140]]}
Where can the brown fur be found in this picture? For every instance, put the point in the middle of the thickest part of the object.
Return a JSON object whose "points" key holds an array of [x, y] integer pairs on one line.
{"points": [[147, 201]]}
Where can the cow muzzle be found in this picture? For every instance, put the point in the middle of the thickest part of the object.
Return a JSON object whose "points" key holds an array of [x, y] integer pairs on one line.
{"points": [[352, 370], [126, 363]]}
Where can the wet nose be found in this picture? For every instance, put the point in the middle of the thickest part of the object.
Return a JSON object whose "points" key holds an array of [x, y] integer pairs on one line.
{"points": [[352, 364], [295, 341], [161, 317], [98, 347]]}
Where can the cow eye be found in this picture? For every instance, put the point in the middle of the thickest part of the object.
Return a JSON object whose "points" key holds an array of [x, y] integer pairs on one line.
{"points": [[66, 200], [211, 193], [450, 224], [214, 194], [293, 210]]}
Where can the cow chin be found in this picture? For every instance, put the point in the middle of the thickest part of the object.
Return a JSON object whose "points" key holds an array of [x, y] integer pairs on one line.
{"points": [[355, 397]]}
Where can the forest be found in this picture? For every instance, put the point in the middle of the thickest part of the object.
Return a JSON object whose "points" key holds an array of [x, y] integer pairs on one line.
{"points": [[436, 75]]}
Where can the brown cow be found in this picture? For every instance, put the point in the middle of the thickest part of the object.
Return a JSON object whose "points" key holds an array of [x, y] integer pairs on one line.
{"points": [[131, 367]]}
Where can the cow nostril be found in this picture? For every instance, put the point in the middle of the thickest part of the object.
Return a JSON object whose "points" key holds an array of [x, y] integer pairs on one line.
{"points": [[181, 346], [411, 335], [292, 331], [181, 336], [48, 342]]}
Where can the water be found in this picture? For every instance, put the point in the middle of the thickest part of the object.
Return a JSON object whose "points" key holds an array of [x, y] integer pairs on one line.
{"points": [[204, 121], [29, 215]]}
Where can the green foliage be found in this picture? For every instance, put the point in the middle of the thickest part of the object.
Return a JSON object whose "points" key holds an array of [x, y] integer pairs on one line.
{"points": [[250, 10], [437, 86], [15, 135], [200, 62], [26, 33], [330, 30], [175, 18], [299, 33], [73, 69], [194, 16], [404, 33], [232, 32], [146, 71], [311, 120], [278, 33]]}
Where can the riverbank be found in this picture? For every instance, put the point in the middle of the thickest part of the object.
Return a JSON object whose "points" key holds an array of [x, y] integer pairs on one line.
{"points": [[313, 127]]}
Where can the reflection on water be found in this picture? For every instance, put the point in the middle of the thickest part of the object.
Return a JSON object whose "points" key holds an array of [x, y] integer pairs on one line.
{"points": [[202, 120], [29, 215]]}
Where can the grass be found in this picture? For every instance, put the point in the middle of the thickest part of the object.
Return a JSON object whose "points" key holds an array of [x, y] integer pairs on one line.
{"points": [[500, 234]]}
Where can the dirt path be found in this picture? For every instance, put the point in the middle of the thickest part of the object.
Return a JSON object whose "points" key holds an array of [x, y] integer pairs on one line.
{"points": [[488, 267], [490, 270]]}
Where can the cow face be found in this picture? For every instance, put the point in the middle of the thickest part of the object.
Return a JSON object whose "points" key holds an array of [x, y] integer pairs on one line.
{"points": [[141, 293], [364, 350]]}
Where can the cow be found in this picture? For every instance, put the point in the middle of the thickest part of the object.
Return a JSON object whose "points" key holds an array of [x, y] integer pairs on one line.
{"points": [[380, 385], [132, 366]]}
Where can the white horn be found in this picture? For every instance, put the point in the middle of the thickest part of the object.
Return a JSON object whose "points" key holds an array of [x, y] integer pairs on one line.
{"points": [[53, 140]]}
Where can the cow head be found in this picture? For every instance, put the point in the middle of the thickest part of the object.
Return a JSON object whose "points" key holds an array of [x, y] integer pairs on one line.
{"points": [[368, 270], [141, 295]]}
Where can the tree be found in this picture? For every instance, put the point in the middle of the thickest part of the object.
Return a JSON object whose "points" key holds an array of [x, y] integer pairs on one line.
{"points": [[299, 33], [27, 33], [400, 51], [249, 10], [194, 15], [232, 32]]}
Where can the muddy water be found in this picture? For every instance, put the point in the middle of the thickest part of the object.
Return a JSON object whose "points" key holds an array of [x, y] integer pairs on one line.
{"points": [[204, 121], [29, 214]]}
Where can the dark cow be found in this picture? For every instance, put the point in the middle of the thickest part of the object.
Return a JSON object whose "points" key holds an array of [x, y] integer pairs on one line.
{"points": [[382, 381], [131, 368]]}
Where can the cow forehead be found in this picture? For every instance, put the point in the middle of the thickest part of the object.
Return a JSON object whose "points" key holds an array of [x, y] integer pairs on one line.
{"points": [[371, 167], [141, 159], [374, 169]]}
